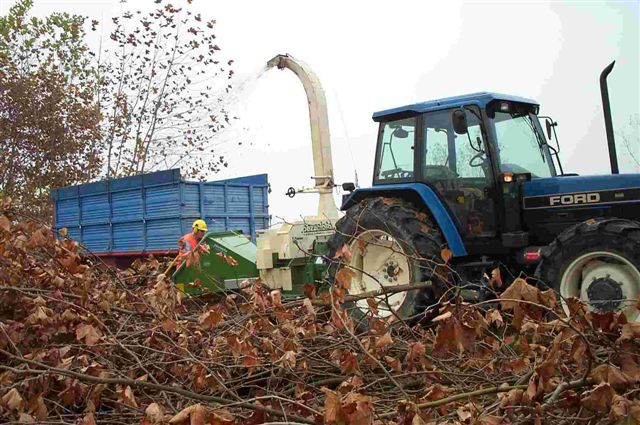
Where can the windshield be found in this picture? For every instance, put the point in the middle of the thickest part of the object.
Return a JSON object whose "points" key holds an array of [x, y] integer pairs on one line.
{"points": [[521, 148]]}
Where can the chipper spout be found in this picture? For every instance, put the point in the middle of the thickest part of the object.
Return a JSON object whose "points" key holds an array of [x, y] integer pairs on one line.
{"points": [[320, 139]]}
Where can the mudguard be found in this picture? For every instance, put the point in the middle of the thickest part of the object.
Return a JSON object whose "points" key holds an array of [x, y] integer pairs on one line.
{"points": [[420, 194]]}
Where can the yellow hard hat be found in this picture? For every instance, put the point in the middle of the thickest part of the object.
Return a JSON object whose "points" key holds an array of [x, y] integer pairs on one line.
{"points": [[199, 225]]}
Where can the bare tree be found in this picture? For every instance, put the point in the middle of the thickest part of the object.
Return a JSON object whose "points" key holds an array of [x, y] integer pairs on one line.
{"points": [[158, 92]]}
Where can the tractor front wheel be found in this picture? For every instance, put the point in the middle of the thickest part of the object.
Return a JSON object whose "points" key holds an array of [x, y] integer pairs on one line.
{"points": [[390, 244], [598, 262]]}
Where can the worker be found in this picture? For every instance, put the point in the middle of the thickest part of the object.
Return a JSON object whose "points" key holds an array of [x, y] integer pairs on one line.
{"points": [[189, 241]]}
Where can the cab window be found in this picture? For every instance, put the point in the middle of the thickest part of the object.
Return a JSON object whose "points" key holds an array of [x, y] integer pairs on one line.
{"points": [[396, 150]]}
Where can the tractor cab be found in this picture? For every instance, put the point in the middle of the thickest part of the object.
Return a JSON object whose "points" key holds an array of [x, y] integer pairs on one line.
{"points": [[467, 149]]}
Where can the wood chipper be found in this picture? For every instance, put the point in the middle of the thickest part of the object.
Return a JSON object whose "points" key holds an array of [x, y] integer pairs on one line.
{"points": [[290, 256]]}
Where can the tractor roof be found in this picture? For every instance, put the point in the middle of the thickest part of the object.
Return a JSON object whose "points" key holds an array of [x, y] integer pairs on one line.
{"points": [[480, 99]]}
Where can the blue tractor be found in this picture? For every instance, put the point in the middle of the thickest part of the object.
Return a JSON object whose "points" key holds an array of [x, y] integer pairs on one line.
{"points": [[475, 183]]}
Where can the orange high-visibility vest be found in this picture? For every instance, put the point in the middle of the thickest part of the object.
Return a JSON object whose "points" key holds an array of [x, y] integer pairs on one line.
{"points": [[189, 242]]}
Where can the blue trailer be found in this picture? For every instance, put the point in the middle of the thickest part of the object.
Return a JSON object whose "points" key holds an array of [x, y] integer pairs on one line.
{"points": [[127, 218]]}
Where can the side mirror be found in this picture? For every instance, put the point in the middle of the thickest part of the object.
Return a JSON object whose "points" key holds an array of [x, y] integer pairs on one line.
{"points": [[348, 187], [548, 125], [459, 121], [400, 133]]}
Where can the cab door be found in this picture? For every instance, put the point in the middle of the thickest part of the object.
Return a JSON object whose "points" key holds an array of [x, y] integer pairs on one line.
{"points": [[458, 168]]}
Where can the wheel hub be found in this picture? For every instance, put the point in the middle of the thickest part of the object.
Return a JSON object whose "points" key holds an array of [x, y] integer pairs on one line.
{"points": [[605, 294], [605, 280], [378, 261], [391, 271]]}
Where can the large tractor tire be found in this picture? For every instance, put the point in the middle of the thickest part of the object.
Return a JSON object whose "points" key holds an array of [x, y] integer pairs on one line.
{"points": [[391, 244], [597, 261]]}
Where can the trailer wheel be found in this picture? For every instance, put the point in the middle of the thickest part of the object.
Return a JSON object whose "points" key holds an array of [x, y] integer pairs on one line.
{"points": [[391, 244], [597, 261]]}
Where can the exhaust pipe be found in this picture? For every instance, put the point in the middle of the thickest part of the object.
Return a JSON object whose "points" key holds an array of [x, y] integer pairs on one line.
{"points": [[604, 91]]}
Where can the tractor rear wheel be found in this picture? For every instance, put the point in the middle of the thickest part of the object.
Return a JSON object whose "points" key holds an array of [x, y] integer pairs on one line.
{"points": [[597, 261], [391, 244]]}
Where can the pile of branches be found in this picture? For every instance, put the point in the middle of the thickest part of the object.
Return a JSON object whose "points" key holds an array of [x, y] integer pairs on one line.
{"points": [[82, 343]]}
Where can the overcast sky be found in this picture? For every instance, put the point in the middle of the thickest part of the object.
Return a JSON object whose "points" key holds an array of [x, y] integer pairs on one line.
{"points": [[375, 55]]}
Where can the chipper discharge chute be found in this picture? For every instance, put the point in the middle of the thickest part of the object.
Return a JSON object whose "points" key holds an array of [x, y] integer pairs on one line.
{"points": [[228, 263], [291, 256]]}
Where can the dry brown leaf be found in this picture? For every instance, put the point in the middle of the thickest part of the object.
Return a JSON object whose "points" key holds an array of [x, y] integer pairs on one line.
{"points": [[5, 223], [417, 420], [373, 305], [358, 409], [490, 420], [519, 290], [126, 397], [276, 297], [464, 413], [222, 417], [494, 316], [511, 398], [88, 419], [88, 333], [453, 336], [383, 341], [344, 277], [496, 278], [169, 325], [198, 416], [436, 392], [612, 376], [394, 363], [620, 407], [309, 290], [446, 254], [331, 405], [26, 418], [349, 363], [13, 400], [38, 409], [184, 414], [629, 366], [630, 331], [443, 316], [309, 307], [211, 318], [154, 413], [548, 298], [599, 399], [634, 412], [288, 360]]}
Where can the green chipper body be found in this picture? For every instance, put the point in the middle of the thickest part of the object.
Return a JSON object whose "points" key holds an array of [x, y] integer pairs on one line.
{"points": [[215, 270]]}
